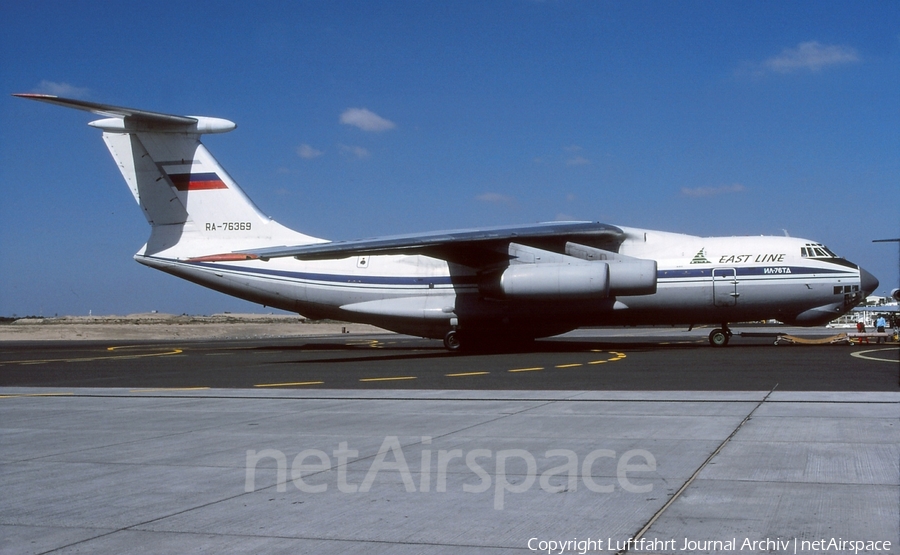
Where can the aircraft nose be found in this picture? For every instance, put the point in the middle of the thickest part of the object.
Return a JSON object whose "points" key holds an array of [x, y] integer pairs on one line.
{"points": [[867, 282]]}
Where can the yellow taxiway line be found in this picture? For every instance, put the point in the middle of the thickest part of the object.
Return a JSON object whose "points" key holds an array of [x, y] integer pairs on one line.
{"points": [[94, 359]]}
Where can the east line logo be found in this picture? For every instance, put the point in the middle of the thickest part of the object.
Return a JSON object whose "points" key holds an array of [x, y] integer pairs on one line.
{"points": [[756, 258], [700, 257]]}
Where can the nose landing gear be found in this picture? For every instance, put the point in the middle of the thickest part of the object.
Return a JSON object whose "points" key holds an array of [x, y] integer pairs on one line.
{"points": [[719, 337]]}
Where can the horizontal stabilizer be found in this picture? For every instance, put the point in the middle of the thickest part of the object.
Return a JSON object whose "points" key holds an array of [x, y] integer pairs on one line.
{"points": [[125, 119]]}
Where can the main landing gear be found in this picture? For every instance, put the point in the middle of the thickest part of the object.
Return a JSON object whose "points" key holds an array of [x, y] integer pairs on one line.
{"points": [[719, 337], [486, 342], [451, 341]]}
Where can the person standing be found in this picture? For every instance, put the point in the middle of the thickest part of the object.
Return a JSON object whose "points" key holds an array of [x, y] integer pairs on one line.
{"points": [[879, 327], [861, 328]]}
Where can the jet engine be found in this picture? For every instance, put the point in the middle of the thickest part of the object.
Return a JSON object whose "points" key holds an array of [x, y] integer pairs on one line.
{"points": [[595, 280], [555, 281], [895, 294], [581, 273], [627, 275]]}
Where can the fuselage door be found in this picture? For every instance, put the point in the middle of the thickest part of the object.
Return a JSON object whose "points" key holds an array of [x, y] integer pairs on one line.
{"points": [[725, 284]]}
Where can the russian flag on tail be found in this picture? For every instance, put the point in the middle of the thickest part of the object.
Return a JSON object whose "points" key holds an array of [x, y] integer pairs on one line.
{"points": [[197, 181]]}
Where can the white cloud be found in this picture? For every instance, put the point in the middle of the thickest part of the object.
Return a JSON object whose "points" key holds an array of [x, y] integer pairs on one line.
{"points": [[811, 56], [357, 151], [807, 56], [307, 152], [496, 198], [366, 120], [62, 89], [712, 191], [578, 161]]}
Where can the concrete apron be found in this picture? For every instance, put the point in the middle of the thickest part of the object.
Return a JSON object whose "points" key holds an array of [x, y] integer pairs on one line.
{"points": [[337, 471]]}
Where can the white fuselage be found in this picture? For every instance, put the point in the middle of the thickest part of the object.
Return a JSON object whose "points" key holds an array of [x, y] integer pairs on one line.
{"points": [[700, 280]]}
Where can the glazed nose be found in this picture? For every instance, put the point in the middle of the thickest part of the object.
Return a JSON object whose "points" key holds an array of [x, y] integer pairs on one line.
{"points": [[867, 282]]}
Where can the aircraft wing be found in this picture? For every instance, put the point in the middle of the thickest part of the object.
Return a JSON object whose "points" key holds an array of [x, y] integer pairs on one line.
{"points": [[471, 247]]}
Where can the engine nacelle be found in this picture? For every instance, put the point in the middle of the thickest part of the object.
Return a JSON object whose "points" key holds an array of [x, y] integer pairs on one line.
{"points": [[895, 294], [555, 281], [627, 275], [632, 277]]}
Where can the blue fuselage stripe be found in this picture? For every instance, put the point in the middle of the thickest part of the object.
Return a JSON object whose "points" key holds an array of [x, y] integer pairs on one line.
{"points": [[749, 271], [338, 278], [662, 275]]}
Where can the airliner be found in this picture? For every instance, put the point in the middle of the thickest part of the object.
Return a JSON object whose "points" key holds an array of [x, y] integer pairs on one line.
{"points": [[469, 287]]}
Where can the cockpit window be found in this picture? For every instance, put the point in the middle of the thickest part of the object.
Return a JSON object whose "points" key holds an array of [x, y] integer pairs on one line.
{"points": [[816, 250]]}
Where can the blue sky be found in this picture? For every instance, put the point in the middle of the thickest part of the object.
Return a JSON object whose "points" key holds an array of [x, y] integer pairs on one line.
{"points": [[358, 119]]}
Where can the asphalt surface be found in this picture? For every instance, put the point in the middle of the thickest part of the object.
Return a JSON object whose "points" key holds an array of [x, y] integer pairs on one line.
{"points": [[637, 362]]}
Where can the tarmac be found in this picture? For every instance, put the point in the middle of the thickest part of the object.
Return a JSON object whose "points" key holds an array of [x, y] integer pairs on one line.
{"points": [[439, 471]]}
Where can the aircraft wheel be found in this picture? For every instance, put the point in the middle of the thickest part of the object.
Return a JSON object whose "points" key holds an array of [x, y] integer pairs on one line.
{"points": [[451, 341], [718, 338]]}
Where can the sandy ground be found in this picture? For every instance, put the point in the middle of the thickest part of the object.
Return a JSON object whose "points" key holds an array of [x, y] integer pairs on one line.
{"points": [[168, 326]]}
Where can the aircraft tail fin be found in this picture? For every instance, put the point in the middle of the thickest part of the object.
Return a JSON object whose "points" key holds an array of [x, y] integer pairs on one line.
{"points": [[186, 196]]}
